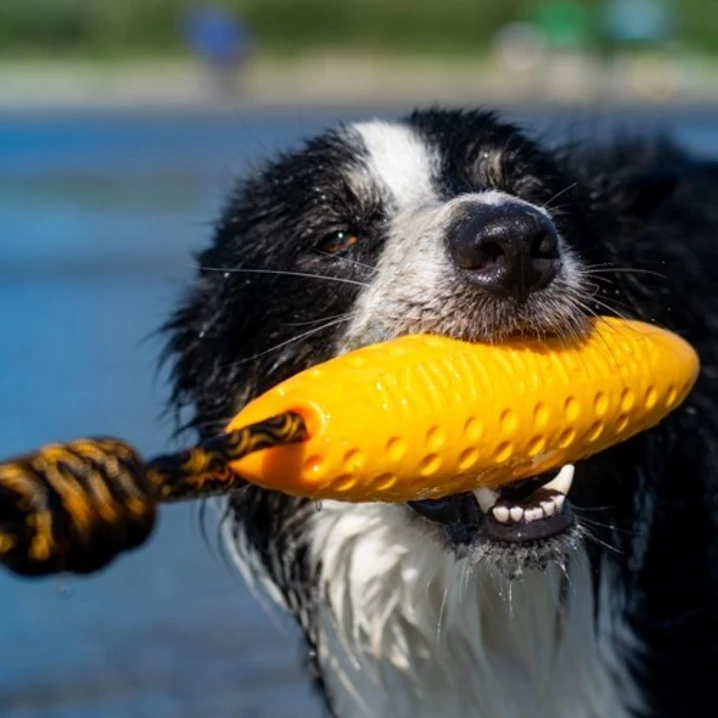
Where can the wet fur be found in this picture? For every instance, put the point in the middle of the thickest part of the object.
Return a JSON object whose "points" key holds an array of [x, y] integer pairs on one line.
{"points": [[646, 555]]}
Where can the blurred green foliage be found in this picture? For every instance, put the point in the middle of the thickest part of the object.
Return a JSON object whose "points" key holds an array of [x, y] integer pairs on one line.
{"points": [[152, 27]]}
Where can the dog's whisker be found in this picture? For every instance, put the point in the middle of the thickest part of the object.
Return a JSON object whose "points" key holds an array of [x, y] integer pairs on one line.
{"points": [[604, 301], [348, 315], [590, 536], [287, 342], [347, 260], [610, 302], [583, 301], [623, 270], [578, 300], [546, 204], [611, 527], [610, 308], [285, 273], [597, 278]]}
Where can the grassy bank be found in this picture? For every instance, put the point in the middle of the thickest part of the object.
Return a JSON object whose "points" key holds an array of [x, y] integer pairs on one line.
{"points": [[357, 79], [153, 27]]}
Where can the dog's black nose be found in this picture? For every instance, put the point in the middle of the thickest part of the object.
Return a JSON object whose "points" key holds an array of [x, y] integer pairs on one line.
{"points": [[511, 250]]}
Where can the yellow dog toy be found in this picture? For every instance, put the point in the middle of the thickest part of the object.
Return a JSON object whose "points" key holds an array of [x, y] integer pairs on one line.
{"points": [[427, 416]]}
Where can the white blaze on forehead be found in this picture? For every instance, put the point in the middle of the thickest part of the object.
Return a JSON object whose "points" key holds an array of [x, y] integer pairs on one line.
{"points": [[400, 160], [414, 287]]}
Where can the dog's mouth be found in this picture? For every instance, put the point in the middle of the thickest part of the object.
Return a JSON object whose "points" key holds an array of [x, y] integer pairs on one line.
{"points": [[528, 510]]}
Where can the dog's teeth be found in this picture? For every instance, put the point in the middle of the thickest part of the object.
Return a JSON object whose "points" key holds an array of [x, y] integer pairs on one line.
{"points": [[505, 513], [533, 514], [486, 498], [501, 513], [562, 481]]}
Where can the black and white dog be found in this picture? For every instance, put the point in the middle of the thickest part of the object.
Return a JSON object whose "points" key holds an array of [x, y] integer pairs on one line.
{"points": [[455, 223]]}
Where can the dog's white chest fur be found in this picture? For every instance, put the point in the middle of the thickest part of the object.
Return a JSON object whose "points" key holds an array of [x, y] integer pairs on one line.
{"points": [[407, 630]]}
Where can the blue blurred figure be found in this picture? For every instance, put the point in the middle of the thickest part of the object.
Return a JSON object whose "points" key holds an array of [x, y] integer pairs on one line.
{"points": [[221, 40], [638, 22]]}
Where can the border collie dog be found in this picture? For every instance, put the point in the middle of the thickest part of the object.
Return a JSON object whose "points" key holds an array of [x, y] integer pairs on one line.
{"points": [[600, 601]]}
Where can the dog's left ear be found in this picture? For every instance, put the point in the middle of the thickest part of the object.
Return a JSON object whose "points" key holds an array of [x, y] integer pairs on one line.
{"points": [[645, 191], [634, 177]]}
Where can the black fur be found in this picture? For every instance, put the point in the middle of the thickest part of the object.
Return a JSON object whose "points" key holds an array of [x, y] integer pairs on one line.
{"points": [[646, 212]]}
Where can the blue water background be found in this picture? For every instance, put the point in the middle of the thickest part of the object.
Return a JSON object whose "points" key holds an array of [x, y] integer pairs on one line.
{"points": [[99, 214]]}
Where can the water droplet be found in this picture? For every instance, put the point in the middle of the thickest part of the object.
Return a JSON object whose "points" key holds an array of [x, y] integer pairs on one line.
{"points": [[65, 590], [226, 275]]}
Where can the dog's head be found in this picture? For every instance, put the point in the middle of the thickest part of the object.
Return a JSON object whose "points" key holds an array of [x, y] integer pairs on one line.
{"points": [[448, 222]]}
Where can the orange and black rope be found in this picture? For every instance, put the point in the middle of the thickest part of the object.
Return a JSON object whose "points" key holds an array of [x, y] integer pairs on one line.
{"points": [[74, 507]]}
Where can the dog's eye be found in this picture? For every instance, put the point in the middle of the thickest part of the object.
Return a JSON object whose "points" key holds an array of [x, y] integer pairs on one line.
{"points": [[337, 242]]}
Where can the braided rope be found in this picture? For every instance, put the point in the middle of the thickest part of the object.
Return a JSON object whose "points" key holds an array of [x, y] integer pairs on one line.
{"points": [[75, 506]]}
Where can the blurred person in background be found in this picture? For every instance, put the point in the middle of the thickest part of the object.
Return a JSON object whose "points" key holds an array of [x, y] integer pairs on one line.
{"points": [[222, 41]]}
